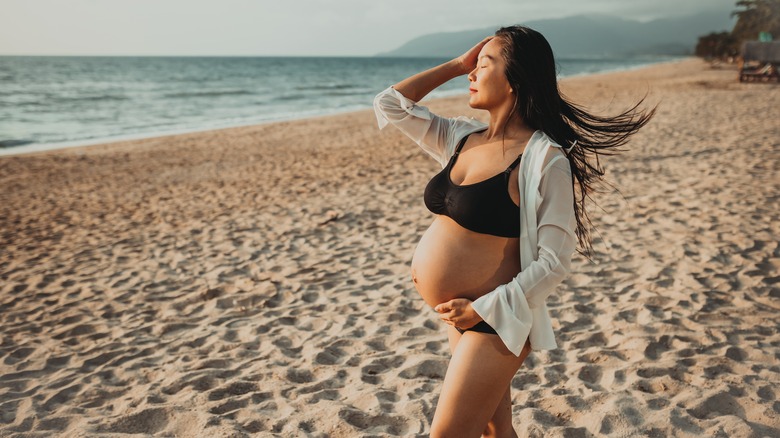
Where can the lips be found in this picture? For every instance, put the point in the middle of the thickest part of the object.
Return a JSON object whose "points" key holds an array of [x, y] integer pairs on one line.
{"points": [[471, 90]]}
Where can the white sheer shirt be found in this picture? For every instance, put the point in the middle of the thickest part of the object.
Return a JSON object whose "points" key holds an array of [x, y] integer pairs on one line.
{"points": [[516, 310]]}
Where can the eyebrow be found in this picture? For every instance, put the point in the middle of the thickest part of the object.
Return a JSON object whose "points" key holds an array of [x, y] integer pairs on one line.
{"points": [[488, 57]]}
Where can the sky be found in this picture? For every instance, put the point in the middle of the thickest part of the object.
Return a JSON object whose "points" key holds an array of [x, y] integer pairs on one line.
{"points": [[279, 28]]}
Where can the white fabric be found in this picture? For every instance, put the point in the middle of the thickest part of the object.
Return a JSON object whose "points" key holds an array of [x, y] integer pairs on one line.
{"points": [[516, 310]]}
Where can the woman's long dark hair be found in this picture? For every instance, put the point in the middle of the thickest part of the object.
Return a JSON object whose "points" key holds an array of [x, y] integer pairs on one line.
{"points": [[530, 70]]}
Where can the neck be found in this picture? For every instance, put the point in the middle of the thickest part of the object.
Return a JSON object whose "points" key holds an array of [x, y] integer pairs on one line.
{"points": [[505, 124]]}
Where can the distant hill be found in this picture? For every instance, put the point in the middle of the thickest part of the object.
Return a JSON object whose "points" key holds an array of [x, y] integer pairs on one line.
{"points": [[587, 36]]}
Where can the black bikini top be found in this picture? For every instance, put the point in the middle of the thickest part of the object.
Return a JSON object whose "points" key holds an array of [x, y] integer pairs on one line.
{"points": [[484, 207]]}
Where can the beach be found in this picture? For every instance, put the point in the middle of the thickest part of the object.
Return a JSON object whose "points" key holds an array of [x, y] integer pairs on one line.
{"points": [[255, 281]]}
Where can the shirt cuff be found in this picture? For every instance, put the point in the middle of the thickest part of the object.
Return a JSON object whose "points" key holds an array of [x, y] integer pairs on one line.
{"points": [[397, 100], [507, 311]]}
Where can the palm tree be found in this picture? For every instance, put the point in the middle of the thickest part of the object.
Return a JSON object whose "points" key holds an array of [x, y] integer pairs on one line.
{"points": [[717, 45], [756, 17]]}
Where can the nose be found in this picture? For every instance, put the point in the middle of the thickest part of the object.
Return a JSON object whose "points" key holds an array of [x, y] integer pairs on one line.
{"points": [[471, 76]]}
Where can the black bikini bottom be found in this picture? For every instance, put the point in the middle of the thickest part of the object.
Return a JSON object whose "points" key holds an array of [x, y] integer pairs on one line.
{"points": [[481, 327]]}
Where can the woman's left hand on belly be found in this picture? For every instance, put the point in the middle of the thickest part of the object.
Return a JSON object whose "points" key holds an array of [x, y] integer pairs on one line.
{"points": [[458, 313]]}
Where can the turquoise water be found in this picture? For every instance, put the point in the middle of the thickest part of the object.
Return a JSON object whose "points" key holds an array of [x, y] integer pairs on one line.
{"points": [[50, 102]]}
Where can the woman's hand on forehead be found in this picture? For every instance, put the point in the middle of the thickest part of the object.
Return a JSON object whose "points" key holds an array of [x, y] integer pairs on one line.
{"points": [[469, 59]]}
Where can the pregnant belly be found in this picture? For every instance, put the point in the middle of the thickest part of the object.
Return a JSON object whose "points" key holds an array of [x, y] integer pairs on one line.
{"points": [[453, 262]]}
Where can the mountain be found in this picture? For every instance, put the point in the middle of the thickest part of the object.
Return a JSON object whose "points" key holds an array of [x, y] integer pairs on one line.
{"points": [[587, 36]]}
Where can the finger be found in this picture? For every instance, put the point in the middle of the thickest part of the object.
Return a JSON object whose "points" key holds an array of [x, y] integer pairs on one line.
{"points": [[485, 41], [448, 317], [443, 307], [460, 307]]}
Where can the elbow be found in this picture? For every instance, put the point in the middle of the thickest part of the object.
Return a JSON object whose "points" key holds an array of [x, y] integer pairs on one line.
{"points": [[558, 265], [388, 107], [564, 262], [386, 110], [558, 249], [380, 103], [381, 100], [553, 270], [389, 99]]}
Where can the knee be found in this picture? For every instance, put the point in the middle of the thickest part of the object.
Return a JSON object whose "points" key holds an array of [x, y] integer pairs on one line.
{"points": [[439, 430], [442, 430], [493, 430], [490, 431]]}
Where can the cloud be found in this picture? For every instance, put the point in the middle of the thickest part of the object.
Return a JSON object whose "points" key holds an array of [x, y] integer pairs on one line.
{"points": [[262, 27]]}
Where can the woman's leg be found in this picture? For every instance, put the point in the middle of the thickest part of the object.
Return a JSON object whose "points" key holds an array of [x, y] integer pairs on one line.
{"points": [[476, 387], [500, 425]]}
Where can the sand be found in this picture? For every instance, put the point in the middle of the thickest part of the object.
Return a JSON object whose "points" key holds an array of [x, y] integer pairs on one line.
{"points": [[255, 281]]}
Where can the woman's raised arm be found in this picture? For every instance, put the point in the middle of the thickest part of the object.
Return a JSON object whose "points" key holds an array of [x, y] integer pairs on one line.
{"points": [[398, 104], [419, 85]]}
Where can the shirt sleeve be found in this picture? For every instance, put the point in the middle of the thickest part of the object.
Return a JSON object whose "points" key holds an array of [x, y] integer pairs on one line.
{"points": [[557, 240], [512, 309], [430, 131]]}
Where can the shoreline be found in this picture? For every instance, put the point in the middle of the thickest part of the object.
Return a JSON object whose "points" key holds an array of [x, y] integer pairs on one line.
{"points": [[46, 147], [632, 68]]}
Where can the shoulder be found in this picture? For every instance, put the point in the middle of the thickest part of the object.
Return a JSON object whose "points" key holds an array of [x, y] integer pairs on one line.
{"points": [[548, 155], [556, 150], [462, 126], [468, 122]]}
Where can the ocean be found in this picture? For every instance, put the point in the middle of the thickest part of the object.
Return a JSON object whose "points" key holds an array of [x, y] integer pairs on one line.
{"points": [[53, 102]]}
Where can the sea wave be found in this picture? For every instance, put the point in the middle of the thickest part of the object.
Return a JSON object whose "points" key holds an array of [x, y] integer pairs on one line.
{"points": [[287, 97], [93, 98], [14, 142], [321, 87], [188, 94]]}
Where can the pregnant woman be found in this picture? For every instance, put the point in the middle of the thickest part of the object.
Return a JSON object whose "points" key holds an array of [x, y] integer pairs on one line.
{"points": [[507, 221]]}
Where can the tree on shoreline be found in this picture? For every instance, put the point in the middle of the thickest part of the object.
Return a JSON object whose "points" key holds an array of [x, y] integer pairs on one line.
{"points": [[758, 16], [717, 45]]}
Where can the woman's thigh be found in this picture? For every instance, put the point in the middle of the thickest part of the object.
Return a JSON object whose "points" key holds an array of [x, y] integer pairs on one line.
{"points": [[477, 379], [502, 417]]}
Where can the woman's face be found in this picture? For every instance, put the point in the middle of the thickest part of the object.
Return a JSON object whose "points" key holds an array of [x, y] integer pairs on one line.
{"points": [[489, 87]]}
